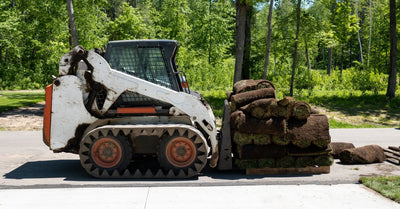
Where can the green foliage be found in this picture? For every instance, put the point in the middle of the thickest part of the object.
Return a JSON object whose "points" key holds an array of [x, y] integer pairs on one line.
{"points": [[10, 100], [129, 24], [216, 100], [35, 34], [388, 186]]}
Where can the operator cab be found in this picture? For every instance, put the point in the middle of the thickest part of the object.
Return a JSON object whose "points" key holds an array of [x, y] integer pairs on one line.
{"points": [[151, 60]]}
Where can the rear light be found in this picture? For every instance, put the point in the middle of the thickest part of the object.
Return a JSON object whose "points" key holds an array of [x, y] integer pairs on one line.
{"points": [[183, 81], [47, 114]]}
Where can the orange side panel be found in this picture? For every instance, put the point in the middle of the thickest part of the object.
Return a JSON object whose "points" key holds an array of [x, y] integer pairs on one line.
{"points": [[47, 115], [136, 110]]}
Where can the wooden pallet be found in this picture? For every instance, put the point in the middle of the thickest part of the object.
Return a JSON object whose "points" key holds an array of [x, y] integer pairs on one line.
{"points": [[392, 155], [279, 171]]}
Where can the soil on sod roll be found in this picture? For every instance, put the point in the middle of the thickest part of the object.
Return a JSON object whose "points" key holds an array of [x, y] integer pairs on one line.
{"points": [[247, 124], [362, 155], [309, 151], [285, 108], [242, 99], [262, 108], [315, 130], [301, 110], [249, 85], [338, 147]]}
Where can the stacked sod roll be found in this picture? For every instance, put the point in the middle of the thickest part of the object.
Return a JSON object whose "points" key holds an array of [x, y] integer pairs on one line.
{"points": [[267, 132]]}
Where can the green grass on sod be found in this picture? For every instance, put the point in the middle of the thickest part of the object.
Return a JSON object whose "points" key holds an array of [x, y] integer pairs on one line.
{"points": [[388, 186], [10, 100]]}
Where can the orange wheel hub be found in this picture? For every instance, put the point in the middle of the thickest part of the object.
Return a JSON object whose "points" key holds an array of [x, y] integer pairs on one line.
{"points": [[181, 152], [106, 152]]}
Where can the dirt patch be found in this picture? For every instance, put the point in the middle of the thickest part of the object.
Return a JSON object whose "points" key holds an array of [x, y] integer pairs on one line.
{"points": [[31, 118], [23, 119], [382, 119]]}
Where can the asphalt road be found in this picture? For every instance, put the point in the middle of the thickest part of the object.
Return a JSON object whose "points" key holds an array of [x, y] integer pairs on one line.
{"points": [[27, 163]]}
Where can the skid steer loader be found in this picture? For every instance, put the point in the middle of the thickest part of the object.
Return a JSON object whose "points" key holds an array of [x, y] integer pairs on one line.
{"points": [[129, 113]]}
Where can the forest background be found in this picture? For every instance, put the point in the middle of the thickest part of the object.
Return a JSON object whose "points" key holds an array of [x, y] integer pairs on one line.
{"points": [[329, 51]]}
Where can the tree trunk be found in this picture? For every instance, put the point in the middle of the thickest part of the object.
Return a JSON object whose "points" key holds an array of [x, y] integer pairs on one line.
{"points": [[295, 47], [247, 43], [360, 44], [271, 5], [370, 32], [275, 67], [359, 39], [210, 33], [330, 50], [6, 57], [307, 57], [72, 27], [240, 38], [391, 90], [329, 60], [342, 60]]}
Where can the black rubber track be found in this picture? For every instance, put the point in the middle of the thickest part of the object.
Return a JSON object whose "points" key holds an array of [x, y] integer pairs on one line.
{"points": [[155, 172]]}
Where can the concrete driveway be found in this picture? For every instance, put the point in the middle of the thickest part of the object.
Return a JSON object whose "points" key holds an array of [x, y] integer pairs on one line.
{"points": [[32, 175], [27, 163]]}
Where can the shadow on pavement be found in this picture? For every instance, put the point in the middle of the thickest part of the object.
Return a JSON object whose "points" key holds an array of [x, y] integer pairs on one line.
{"points": [[71, 170], [68, 169]]}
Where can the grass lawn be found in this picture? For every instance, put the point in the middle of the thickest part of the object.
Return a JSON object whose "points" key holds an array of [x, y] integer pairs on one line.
{"points": [[13, 99], [388, 186]]}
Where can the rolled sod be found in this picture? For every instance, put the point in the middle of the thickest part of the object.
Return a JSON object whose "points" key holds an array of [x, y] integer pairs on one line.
{"points": [[286, 101], [302, 162], [285, 162], [262, 151], [302, 143], [242, 99], [309, 151], [250, 84], [245, 163], [266, 163], [260, 139], [338, 147], [362, 155], [245, 138], [301, 110], [285, 108], [314, 129], [246, 124], [261, 109], [323, 160], [322, 143], [280, 140], [242, 139]]}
